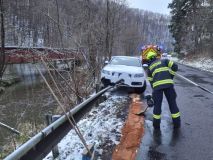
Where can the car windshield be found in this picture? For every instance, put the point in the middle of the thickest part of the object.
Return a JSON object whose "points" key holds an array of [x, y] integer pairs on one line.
{"points": [[125, 61]]}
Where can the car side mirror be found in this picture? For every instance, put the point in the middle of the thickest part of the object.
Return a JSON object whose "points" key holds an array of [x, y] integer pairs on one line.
{"points": [[106, 62], [145, 65]]}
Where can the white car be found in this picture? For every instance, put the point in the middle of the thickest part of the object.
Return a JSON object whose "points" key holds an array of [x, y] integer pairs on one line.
{"points": [[165, 56], [127, 69]]}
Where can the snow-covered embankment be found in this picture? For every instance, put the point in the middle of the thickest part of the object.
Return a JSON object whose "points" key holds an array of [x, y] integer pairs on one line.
{"points": [[201, 63], [102, 126]]}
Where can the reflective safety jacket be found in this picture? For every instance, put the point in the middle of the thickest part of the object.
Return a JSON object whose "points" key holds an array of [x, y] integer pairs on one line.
{"points": [[161, 72]]}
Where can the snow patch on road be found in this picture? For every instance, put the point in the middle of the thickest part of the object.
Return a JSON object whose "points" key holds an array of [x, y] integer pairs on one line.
{"points": [[201, 63], [100, 126]]}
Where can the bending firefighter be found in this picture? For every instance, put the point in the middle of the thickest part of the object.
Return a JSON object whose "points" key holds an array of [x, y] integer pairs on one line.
{"points": [[160, 75]]}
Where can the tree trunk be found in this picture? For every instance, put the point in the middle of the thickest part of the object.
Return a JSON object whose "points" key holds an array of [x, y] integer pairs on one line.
{"points": [[107, 33], [2, 52], [58, 24]]}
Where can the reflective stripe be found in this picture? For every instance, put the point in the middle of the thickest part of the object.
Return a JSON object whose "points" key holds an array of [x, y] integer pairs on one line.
{"points": [[172, 72], [176, 115], [154, 65], [150, 78], [170, 64], [166, 81], [156, 116], [160, 70]]}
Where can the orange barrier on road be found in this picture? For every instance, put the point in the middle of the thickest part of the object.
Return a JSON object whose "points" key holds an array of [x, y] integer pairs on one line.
{"points": [[132, 132]]}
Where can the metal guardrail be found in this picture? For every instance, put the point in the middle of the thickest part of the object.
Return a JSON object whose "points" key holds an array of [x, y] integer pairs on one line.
{"points": [[42, 143], [195, 84]]}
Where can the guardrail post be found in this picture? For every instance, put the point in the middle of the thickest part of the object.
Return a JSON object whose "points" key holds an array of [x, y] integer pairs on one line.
{"points": [[86, 155], [97, 88], [50, 119]]}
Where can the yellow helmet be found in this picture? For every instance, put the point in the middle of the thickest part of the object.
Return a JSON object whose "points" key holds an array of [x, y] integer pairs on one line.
{"points": [[151, 55]]}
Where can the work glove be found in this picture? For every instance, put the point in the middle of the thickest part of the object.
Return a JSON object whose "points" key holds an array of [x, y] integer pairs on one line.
{"points": [[149, 101]]}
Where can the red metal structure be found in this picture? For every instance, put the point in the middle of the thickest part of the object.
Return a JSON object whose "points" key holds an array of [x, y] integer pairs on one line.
{"points": [[32, 55]]}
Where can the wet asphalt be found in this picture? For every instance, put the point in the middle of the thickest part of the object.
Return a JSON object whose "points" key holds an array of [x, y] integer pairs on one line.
{"points": [[194, 140]]}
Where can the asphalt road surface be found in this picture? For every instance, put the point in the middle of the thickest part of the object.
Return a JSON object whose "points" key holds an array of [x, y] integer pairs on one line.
{"points": [[194, 140]]}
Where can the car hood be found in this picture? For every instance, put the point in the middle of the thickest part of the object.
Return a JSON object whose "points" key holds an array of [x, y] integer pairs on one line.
{"points": [[124, 69]]}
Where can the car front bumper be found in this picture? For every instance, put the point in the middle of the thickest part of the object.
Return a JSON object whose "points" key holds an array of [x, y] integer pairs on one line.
{"points": [[128, 79]]}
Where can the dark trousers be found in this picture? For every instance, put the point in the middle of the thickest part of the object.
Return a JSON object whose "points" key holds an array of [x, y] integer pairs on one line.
{"points": [[171, 98]]}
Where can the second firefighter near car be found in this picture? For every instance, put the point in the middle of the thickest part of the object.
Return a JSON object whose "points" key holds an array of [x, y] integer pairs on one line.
{"points": [[127, 69]]}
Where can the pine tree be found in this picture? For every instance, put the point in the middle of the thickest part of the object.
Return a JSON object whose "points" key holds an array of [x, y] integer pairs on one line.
{"points": [[191, 25], [177, 23]]}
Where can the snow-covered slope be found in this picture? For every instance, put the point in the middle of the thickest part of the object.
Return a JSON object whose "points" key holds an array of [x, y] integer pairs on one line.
{"points": [[101, 126], [201, 63]]}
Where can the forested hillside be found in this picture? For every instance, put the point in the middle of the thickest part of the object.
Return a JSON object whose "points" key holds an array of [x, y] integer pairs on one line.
{"points": [[102, 27], [192, 26]]}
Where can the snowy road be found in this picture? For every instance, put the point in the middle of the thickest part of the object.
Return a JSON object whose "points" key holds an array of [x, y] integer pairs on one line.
{"points": [[194, 140]]}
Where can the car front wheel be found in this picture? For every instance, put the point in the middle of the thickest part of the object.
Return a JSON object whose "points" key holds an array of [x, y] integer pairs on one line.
{"points": [[105, 82]]}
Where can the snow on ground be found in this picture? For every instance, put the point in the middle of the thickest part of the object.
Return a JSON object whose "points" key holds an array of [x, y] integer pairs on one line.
{"points": [[102, 126], [201, 63]]}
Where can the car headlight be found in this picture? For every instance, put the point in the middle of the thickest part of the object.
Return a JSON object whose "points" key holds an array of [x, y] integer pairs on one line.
{"points": [[139, 75], [106, 72]]}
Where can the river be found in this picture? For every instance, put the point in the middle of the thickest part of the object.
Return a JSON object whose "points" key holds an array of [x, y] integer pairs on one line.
{"points": [[24, 105]]}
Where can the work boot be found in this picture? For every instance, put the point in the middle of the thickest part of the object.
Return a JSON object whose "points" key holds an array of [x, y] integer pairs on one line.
{"points": [[177, 123], [176, 126], [156, 124], [156, 127]]}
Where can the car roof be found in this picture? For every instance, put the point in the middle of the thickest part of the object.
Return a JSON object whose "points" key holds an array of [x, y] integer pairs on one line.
{"points": [[125, 57]]}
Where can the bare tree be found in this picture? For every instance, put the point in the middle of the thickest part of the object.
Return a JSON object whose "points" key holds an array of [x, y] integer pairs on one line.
{"points": [[2, 52]]}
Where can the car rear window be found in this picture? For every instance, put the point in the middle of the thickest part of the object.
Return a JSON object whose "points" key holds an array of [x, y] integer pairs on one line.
{"points": [[125, 61]]}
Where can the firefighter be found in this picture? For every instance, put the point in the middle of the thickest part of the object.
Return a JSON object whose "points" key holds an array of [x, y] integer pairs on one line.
{"points": [[160, 74]]}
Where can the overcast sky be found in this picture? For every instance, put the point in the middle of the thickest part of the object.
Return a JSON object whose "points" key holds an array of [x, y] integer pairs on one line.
{"points": [[159, 6]]}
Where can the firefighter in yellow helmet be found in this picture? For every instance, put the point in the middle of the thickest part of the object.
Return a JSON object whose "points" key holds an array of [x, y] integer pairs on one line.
{"points": [[160, 75]]}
